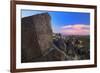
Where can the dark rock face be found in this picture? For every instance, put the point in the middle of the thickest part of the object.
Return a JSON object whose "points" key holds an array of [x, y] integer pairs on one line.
{"points": [[36, 36]]}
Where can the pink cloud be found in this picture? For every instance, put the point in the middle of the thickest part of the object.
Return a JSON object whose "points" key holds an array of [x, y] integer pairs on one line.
{"points": [[77, 29]]}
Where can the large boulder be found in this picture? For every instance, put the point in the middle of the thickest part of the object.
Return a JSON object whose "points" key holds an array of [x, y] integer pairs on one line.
{"points": [[36, 36]]}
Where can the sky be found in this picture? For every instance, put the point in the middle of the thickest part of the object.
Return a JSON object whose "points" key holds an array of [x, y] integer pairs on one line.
{"points": [[66, 23]]}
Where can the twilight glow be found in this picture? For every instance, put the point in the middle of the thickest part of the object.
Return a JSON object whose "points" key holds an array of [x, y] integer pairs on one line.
{"points": [[76, 29]]}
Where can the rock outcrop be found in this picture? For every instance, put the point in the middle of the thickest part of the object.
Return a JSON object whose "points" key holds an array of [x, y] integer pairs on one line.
{"points": [[36, 36]]}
